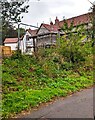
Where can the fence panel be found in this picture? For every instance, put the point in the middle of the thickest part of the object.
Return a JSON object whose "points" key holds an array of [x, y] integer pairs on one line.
{"points": [[5, 51]]}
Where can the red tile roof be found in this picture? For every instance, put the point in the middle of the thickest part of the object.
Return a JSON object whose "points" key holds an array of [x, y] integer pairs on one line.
{"points": [[81, 19], [11, 40], [32, 32], [78, 20], [51, 28]]}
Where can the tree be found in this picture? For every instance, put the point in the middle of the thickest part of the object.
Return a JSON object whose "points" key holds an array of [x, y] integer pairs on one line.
{"points": [[74, 44], [11, 12], [22, 31]]}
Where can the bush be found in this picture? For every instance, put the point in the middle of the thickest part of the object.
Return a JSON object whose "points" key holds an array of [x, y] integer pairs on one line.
{"points": [[67, 66]]}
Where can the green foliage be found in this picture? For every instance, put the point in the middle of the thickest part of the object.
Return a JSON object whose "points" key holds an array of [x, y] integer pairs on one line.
{"points": [[11, 12], [31, 80], [22, 31], [18, 101], [74, 45], [26, 83]]}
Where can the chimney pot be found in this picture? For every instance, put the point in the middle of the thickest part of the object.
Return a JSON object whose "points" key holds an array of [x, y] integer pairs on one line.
{"points": [[51, 23], [56, 21]]}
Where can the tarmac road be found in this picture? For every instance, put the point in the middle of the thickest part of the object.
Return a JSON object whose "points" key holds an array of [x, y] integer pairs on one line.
{"points": [[78, 105]]}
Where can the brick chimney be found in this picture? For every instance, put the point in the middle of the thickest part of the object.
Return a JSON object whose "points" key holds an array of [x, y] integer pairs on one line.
{"points": [[57, 21], [51, 23]]}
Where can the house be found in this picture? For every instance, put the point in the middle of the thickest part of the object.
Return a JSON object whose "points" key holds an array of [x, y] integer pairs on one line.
{"points": [[12, 42], [25, 43], [27, 46], [46, 34]]}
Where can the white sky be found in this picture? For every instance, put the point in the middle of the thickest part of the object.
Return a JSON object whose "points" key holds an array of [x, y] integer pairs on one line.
{"points": [[44, 10]]}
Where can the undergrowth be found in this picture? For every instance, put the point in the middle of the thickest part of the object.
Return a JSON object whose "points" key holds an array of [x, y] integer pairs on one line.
{"points": [[28, 81]]}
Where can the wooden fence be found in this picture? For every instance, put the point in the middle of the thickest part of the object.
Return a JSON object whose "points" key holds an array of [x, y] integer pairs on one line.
{"points": [[5, 51]]}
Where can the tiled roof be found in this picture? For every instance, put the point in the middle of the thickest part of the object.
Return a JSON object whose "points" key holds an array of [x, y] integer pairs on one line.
{"points": [[81, 19], [78, 20], [11, 40], [51, 28], [32, 32]]}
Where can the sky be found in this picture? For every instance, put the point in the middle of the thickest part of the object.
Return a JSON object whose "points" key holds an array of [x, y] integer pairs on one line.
{"points": [[44, 11]]}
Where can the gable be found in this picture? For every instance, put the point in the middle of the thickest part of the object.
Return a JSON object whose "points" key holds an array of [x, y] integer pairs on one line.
{"points": [[43, 30], [27, 33]]}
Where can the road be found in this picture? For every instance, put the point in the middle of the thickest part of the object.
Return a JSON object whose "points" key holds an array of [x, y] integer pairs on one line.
{"points": [[78, 105]]}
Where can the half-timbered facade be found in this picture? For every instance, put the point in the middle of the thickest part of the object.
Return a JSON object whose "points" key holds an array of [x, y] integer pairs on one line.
{"points": [[46, 35]]}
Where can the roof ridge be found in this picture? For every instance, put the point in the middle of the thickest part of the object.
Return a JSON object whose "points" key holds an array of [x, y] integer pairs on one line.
{"points": [[11, 38], [77, 16]]}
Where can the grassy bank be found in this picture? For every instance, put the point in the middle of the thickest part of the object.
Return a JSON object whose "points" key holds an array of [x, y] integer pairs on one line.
{"points": [[29, 80], [59, 70]]}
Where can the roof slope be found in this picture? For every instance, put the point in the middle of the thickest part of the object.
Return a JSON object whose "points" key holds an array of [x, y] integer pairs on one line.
{"points": [[11, 40], [51, 28], [78, 20], [32, 32]]}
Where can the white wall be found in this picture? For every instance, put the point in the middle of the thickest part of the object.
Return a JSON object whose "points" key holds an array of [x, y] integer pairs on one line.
{"points": [[25, 50], [12, 45], [23, 44]]}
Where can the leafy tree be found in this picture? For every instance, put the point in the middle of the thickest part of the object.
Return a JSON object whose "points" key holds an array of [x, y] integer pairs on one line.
{"points": [[74, 44], [22, 31], [11, 12]]}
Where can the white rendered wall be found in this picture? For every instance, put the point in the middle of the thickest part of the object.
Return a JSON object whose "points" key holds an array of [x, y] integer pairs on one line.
{"points": [[23, 44], [12, 45]]}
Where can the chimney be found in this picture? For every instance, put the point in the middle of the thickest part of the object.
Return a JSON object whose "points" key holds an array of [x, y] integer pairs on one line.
{"points": [[56, 21], [51, 23]]}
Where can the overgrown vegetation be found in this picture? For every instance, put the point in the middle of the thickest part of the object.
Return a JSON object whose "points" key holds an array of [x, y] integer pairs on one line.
{"points": [[56, 71]]}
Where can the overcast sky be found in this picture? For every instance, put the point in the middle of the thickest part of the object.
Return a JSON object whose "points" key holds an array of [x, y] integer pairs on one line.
{"points": [[46, 10]]}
